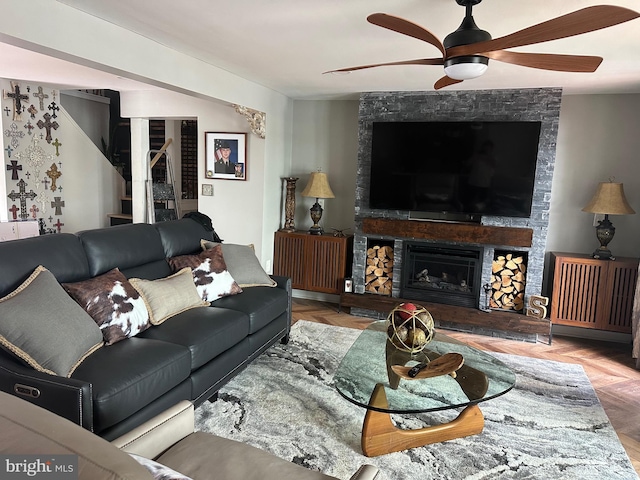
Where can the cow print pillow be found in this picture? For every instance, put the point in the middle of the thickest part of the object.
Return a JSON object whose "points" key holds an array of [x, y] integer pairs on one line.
{"points": [[210, 273], [113, 303]]}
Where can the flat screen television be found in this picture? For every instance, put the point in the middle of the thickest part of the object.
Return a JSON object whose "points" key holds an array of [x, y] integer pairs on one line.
{"points": [[454, 170]]}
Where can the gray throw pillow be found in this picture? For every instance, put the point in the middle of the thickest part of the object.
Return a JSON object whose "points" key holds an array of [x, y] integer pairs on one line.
{"points": [[242, 264], [45, 327]]}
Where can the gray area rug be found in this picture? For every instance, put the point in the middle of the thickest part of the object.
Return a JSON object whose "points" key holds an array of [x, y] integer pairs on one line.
{"points": [[550, 426]]}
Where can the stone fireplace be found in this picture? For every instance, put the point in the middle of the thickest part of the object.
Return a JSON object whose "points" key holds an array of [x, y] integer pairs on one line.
{"points": [[492, 233]]}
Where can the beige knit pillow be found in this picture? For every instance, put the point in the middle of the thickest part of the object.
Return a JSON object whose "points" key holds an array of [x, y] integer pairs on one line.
{"points": [[169, 296]]}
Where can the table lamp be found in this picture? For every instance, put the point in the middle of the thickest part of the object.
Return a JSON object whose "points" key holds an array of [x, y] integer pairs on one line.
{"points": [[608, 200], [318, 187]]}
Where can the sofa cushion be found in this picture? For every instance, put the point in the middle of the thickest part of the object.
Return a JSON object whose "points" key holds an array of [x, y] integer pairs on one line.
{"points": [[232, 459], [113, 303], [169, 296], [135, 249], [182, 237], [210, 273], [206, 332], [44, 327], [157, 470], [242, 264], [20, 258], [261, 304], [130, 375]]}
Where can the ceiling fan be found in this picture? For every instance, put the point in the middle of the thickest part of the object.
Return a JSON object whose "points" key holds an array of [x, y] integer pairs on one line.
{"points": [[466, 52]]}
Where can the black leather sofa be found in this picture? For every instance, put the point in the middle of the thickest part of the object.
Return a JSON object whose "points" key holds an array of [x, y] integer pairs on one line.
{"points": [[190, 357]]}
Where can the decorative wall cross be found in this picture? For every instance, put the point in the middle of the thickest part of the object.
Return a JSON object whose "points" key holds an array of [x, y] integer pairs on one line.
{"points": [[40, 96], [14, 210], [23, 195], [17, 98], [58, 225], [34, 156], [57, 144], [32, 110], [54, 108], [9, 150], [15, 134], [47, 125], [44, 200], [7, 110], [58, 203], [34, 211], [46, 183], [53, 173], [29, 127], [14, 167]]}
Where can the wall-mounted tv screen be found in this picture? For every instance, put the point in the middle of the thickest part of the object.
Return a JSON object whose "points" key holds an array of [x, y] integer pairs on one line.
{"points": [[457, 170]]}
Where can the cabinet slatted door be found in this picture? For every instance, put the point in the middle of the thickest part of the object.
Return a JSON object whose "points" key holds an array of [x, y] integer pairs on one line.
{"points": [[318, 263], [623, 279], [329, 257], [288, 258], [593, 293], [577, 294]]}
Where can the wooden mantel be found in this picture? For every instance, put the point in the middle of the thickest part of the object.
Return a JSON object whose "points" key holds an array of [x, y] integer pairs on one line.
{"points": [[450, 232]]}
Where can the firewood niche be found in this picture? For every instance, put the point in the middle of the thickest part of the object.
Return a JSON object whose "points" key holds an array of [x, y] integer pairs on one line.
{"points": [[379, 270], [508, 281]]}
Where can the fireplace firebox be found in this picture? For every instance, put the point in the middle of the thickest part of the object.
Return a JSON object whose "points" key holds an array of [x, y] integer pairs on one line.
{"points": [[442, 273]]}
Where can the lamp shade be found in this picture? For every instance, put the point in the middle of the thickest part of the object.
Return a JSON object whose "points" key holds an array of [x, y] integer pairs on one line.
{"points": [[318, 186], [609, 199]]}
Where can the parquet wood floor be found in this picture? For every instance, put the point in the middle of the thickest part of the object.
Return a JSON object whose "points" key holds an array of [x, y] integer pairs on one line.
{"points": [[609, 366]]}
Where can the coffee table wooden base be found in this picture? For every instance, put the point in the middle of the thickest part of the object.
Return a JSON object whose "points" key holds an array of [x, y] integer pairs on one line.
{"points": [[381, 436]]}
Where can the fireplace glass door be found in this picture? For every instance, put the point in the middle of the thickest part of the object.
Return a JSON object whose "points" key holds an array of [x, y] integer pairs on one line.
{"points": [[441, 274]]}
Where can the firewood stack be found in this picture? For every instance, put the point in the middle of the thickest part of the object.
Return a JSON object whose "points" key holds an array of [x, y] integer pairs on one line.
{"points": [[507, 282], [379, 271]]}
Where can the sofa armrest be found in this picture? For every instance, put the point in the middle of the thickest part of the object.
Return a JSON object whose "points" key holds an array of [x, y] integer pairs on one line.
{"points": [[159, 433], [66, 397], [285, 284], [282, 282], [366, 472]]}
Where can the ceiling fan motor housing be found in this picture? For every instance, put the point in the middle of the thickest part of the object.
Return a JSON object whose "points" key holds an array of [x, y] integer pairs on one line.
{"points": [[468, 66]]}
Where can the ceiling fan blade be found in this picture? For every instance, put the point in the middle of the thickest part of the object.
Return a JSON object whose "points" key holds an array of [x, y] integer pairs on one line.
{"points": [[445, 82], [405, 27], [547, 61], [576, 23], [420, 61]]}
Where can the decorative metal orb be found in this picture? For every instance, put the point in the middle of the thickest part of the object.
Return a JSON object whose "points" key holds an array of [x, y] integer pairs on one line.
{"points": [[410, 327]]}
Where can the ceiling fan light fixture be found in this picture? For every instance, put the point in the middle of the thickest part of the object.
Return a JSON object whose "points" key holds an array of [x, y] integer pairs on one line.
{"points": [[467, 67]]}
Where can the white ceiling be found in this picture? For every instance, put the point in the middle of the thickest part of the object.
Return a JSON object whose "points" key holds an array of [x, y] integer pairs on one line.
{"points": [[287, 44]]}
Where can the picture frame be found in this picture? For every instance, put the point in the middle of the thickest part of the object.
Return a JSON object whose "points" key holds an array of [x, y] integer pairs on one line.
{"points": [[225, 155]]}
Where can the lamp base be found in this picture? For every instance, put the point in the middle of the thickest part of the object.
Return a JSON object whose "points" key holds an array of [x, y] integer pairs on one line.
{"points": [[316, 215], [603, 254], [605, 232], [316, 230]]}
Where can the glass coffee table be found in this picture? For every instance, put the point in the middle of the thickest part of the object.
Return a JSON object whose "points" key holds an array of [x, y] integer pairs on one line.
{"points": [[372, 376]]}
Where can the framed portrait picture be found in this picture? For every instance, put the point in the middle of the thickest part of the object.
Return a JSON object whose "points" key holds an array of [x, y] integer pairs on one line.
{"points": [[225, 155]]}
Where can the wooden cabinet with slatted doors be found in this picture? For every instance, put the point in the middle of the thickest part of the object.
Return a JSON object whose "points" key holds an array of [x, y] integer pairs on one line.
{"points": [[593, 293], [318, 263]]}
